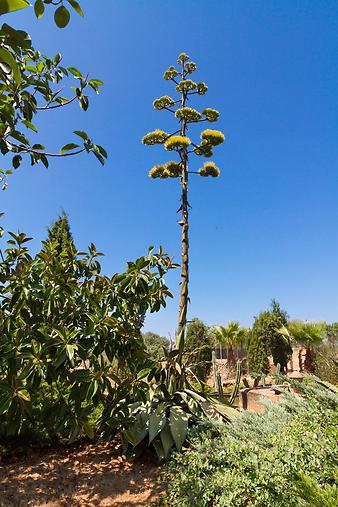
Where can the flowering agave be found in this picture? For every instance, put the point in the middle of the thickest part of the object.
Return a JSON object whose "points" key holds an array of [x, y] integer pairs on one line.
{"points": [[180, 143]]}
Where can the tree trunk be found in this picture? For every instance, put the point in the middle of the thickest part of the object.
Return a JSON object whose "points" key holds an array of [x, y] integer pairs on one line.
{"points": [[231, 357]]}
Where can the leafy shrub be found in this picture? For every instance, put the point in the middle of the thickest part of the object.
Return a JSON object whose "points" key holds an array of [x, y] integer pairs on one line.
{"points": [[326, 362], [63, 325], [265, 338], [198, 348], [262, 459], [156, 345]]}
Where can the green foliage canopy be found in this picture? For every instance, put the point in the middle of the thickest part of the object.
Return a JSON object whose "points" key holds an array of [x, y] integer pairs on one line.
{"points": [[60, 234], [62, 326], [265, 339], [198, 348], [31, 84], [156, 346]]}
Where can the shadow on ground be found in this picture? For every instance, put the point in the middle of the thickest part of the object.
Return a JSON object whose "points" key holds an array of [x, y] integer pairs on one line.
{"points": [[86, 475]]}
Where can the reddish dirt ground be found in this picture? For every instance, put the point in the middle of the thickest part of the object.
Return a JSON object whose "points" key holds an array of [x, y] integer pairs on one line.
{"points": [[86, 475]]}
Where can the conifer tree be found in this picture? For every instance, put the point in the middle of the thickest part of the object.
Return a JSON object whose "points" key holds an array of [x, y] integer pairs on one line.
{"points": [[60, 233], [182, 145]]}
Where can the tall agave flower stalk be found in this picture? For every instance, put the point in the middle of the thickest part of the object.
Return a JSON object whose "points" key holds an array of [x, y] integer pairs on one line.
{"points": [[181, 144]]}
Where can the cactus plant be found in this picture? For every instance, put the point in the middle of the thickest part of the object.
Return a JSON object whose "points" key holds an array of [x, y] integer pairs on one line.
{"points": [[237, 382]]}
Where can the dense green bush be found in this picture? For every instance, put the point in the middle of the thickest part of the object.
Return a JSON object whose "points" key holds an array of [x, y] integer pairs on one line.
{"points": [[63, 326], [156, 345], [265, 339], [263, 460], [198, 348], [326, 362]]}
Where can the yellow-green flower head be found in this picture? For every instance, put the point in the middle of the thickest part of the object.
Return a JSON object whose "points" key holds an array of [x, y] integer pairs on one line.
{"points": [[163, 102], [209, 169], [182, 58], [157, 171], [211, 114], [174, 169], [204, 149], [186, 85], [214, 137], [190, 67], [177, 142], [155, 137], [171, 73], [202, 88], [188, 113]]}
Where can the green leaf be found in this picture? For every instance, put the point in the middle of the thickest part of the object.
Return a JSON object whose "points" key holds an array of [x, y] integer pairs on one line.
{"points": [[7, 6], [62, 16], [167, 440], [30, 125], [178, 425], [16, 161], [75, 72], [159, 449], [157, 422], [68, 147], [102, 151], [7, 57], [5, 403], [88, 429], [76, 7], [39, 8], [24, 395], [82, 134]]}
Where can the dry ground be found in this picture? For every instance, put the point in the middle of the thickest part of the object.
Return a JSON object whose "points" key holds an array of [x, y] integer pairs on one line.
{"points": [[85, 475]]}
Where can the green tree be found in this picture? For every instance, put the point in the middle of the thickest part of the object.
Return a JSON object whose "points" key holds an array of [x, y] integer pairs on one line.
{"points": [[331, 332], [62, 327], [231, 336], [31, 84], [281, 349], [265, 338], [309, 335], [179, 143], [60, 234], [156, 346], [198, 348]]}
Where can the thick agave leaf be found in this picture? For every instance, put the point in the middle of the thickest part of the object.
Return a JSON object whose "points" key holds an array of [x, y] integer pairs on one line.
{"points": [[159, 449], [178, 425], [157, 421], [167, 440]]}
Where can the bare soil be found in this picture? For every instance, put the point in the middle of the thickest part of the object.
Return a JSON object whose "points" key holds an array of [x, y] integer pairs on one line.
{"points": [[85, 475]]}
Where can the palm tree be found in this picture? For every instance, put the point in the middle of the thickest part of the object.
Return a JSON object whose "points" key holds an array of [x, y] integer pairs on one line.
{"points": [[231, 336], [308, 335]]}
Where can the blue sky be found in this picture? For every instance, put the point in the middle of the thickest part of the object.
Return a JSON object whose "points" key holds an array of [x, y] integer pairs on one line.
{"points": [[268, 228]]}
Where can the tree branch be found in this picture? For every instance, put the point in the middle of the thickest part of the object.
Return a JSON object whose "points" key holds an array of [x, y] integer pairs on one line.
{"points": [[45, 108], [31, 150]]}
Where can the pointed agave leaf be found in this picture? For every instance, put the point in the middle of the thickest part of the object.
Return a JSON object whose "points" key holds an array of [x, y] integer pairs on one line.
{"points": [[157, 422], [178, 425], [228, 412], [159, 449], [167, 440]]}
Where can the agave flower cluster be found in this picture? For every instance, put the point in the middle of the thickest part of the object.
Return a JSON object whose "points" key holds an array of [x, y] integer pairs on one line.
{"points": [[176, 142]]}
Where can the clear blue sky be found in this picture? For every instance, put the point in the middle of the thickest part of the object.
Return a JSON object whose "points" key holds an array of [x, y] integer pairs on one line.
{"points": [[268, 228]]}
